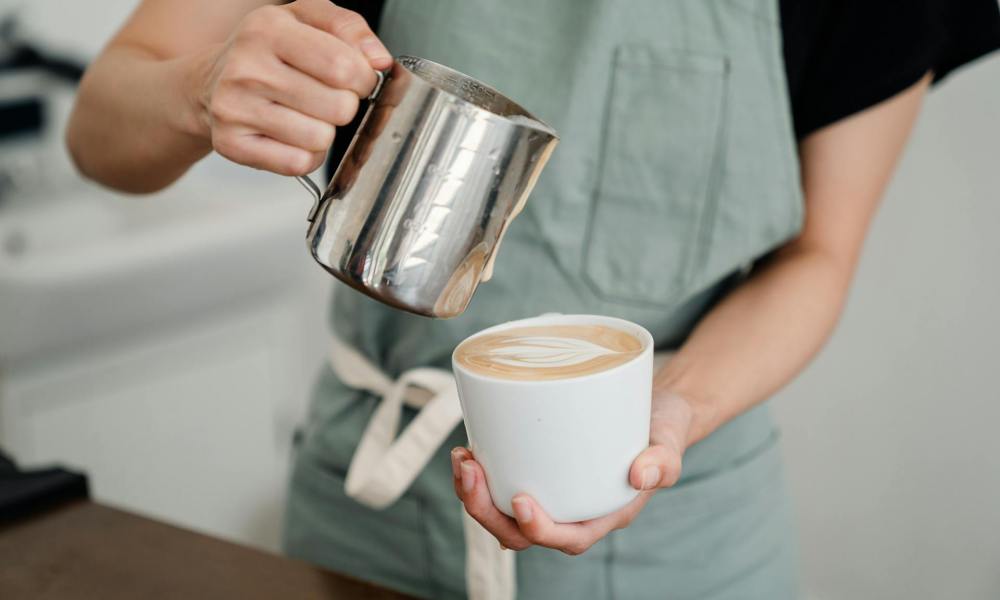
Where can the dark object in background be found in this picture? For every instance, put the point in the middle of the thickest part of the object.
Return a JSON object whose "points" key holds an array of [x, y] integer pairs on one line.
{"points": [[25, 492], [20, 116], [25, 114], [17, 53]]}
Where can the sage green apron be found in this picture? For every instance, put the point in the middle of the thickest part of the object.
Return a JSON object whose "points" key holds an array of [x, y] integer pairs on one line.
{"points": [[677, 168]]}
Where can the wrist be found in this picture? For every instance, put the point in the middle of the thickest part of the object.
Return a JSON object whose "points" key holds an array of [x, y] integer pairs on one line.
{"points": [[683, 377], [704, 418], [195, 74]]}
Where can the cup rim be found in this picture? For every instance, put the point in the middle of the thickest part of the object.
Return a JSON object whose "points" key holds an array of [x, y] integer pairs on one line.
{"points": [[405, 60], [630, 327]]}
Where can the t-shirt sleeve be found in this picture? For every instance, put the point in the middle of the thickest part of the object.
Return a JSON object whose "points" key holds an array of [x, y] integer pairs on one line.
{"points": [[968, 29], [857, 53]]}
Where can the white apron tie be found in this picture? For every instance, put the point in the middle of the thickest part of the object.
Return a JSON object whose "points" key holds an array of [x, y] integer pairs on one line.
{"points": [[384, 465]]}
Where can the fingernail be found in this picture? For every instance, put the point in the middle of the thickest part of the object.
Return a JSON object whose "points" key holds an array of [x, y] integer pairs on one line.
{"points": [[522, 510], [502, 547], [468, 476], [374, 49], [650, 477], [456, 460]]}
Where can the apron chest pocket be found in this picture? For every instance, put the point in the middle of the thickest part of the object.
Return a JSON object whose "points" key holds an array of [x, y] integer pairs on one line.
{"points": [[654, 207]]}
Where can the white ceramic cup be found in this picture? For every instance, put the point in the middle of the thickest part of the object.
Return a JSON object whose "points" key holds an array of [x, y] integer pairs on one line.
{"points": [[568, 443]]}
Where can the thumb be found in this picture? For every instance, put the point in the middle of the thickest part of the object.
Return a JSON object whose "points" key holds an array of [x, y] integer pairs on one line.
{"points": [[660, 464], [657, 466]]}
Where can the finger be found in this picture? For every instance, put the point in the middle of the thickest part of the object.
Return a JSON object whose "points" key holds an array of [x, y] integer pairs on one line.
{"points": [[309, 96], [657, 466], [252, 149], [571, 538], [476, 498], [353, 29], [345, 24], [325, 57], [458, 455], [456, 462], [287, 126]]}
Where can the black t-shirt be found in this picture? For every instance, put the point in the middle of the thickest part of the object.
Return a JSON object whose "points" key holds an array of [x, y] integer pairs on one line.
{"points": [[842, 56]]}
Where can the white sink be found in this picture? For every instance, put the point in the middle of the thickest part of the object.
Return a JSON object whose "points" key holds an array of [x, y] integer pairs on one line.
{"points": [[84, 263]]}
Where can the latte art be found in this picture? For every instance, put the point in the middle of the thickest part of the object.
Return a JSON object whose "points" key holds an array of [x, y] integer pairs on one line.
{"points": [[548, 351]]}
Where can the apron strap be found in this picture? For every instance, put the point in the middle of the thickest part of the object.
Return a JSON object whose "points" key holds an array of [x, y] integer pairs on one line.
{"points": [[489, 569], [384, 466]]}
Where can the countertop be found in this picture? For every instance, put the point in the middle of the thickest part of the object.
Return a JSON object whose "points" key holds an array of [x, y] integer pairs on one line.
{"points": [[87, 550]]}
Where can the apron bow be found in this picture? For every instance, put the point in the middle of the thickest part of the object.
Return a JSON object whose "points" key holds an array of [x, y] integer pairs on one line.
{"points": [[384, 465]]}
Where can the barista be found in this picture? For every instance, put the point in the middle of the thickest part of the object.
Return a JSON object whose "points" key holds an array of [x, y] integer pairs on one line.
{"points": [[719, 166]]}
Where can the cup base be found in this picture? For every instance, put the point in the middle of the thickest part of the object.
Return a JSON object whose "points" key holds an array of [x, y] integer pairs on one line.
{"points": [[577, 516]]}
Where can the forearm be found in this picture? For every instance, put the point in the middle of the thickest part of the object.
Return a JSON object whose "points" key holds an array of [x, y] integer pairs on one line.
{"points": [[755, 340], [263, 85], [758, 338], [135, 126]]}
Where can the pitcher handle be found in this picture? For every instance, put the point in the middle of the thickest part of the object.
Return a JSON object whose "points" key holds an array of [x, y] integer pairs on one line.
{"points": [[313, 189], [309, 184]]}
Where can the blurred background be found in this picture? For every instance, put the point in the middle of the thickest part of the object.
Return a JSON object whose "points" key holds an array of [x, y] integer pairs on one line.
{"points": [[133, 329]]}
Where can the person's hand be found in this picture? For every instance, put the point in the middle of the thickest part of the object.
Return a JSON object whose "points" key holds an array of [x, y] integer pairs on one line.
{"points": [[657, 467], [272, 95]]}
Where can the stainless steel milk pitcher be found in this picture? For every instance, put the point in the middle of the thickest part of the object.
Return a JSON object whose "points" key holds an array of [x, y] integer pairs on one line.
{"points": [[439, 167]]}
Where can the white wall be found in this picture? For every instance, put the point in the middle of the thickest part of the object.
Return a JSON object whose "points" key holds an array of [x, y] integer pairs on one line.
{"points": [[893, 434]]}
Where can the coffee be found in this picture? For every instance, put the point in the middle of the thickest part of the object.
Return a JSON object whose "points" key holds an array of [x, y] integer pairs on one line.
{"points": [[546, 352]]}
